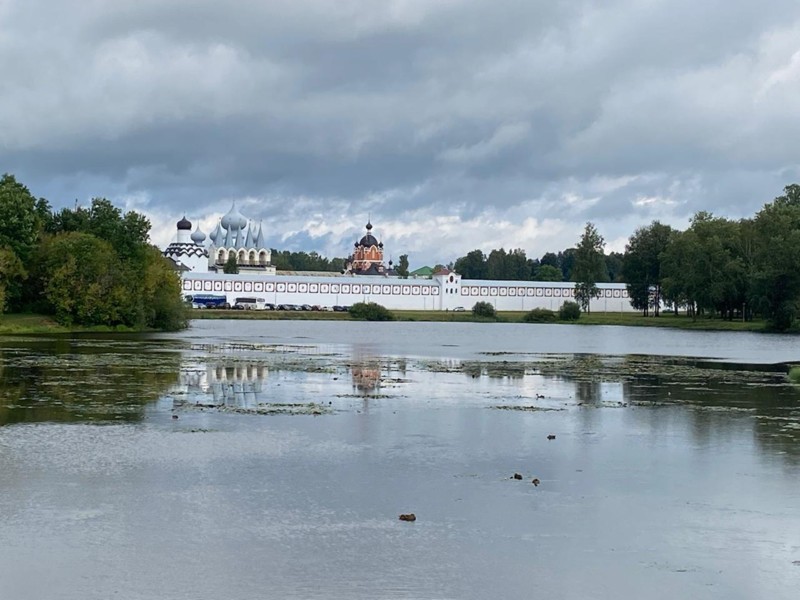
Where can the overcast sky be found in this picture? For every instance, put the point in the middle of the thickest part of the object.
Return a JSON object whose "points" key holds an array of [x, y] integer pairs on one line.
{"points": [[454, 124]]}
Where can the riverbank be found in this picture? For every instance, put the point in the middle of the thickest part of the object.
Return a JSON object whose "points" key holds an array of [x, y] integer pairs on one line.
{"points": [[620, 319], [21, 324], [18, 324]]}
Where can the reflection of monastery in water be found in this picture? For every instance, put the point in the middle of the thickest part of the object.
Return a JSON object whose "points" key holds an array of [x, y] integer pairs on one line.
{"points": [[238, 385], [366, 378], [200, 260]]}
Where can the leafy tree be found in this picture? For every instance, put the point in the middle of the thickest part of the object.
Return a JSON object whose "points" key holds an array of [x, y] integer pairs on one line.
{"points": [[402, 266], [496, 264], [517, 266], [472, 266], [548, 273], [18, 218], [11, 272], [550, 258], [231, 267], [370, 311], [540, 315], [642, 266], [777, 256], [484, 309], [566, 262], [614, 266], [303, 261], [589, 266], [128, 233], [81, 285], [569, 311], [704, 268]]}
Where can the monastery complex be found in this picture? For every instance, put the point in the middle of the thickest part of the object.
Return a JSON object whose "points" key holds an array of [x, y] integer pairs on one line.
{"points": [[200, 260]]}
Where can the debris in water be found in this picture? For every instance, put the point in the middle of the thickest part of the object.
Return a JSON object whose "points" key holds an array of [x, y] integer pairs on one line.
{"points": [[516, 476], [536, 482], [408, 517], [551, 437]]}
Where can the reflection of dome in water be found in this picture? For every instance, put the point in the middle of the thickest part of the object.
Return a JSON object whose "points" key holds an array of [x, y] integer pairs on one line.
{"points": [[366, 378]]}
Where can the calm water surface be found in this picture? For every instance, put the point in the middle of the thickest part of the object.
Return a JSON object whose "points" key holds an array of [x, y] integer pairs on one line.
{"points": [[674, 472]]}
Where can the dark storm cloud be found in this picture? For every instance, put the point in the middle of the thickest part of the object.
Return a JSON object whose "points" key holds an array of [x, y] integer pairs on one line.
{"points": [[497, 122]]}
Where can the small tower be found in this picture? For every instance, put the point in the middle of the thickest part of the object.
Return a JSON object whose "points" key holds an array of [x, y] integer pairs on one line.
{"points": [[367, 258], [186, 251]]}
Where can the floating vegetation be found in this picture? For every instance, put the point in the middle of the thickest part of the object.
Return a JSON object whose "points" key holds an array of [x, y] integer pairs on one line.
{"points": [[528, 408], [310, 408]]}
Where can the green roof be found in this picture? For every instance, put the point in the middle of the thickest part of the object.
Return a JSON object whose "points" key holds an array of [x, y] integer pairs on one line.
{"points": [[422, 272]]}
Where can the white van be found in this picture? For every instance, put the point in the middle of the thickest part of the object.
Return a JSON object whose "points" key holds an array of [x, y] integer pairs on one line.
{"points": [[250, 303]]}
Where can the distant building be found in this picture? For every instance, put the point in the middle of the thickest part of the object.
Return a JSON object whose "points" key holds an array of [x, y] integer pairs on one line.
{"points": [[200, 260], [234, 235], [422, 273], [367, 257]]}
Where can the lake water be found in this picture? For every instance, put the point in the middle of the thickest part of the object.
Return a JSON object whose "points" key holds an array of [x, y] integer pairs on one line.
{"points": [[674, 471]]}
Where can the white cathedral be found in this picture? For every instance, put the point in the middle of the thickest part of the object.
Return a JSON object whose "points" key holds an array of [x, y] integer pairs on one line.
{"points": [[234, 235]]}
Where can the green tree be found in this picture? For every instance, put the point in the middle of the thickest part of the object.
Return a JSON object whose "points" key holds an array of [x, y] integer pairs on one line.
{"points": [[704, 268], [614, 265], [589, 266], [472, 266], [496, 265], [402, 266], [641, 268], [548, 273], [231, 266], [81, 284], [127, 233], [18, 218], [11, 271], [776, 276], [484, 309]]}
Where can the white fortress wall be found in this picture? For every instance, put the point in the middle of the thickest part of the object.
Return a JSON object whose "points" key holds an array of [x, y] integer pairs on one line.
{"points": [[439, 293]]}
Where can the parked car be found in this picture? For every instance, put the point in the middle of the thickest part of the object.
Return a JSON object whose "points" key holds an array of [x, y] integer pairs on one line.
{"points": [[338, 308], [459, 309]]}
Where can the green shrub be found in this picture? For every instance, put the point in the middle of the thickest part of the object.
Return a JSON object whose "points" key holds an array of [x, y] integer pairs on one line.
{"points": [[569, 311], [540, 315], [370, 311], [484, 309], [794, 374]]}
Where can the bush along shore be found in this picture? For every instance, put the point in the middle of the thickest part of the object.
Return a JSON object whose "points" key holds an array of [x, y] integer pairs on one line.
{"points": [[567, 316]]}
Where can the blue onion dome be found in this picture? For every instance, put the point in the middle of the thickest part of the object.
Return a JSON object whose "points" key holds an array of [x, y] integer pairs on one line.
{"points": [[216, 233], [184, 224], [234, 219], [369, 239], [198, 237]]}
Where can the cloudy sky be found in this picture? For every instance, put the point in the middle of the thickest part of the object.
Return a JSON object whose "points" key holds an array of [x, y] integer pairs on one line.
{"points": [[455, 124]]}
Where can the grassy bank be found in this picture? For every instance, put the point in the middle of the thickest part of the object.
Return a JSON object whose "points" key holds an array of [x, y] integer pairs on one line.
{"points": [[32, 323], [20, 324], [15, 324], [623, 319]]}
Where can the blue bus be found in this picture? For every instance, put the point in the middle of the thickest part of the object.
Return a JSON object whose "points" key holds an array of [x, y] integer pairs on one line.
{"points": [[207, 301]]}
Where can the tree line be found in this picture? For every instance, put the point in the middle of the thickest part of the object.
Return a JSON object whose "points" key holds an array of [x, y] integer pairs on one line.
{"points": [[716, 267], [85, 266], [514, 265]]}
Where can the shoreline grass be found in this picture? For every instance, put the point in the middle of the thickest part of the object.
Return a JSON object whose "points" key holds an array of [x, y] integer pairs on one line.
{"points": [[19, 324], [610, 319]]}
